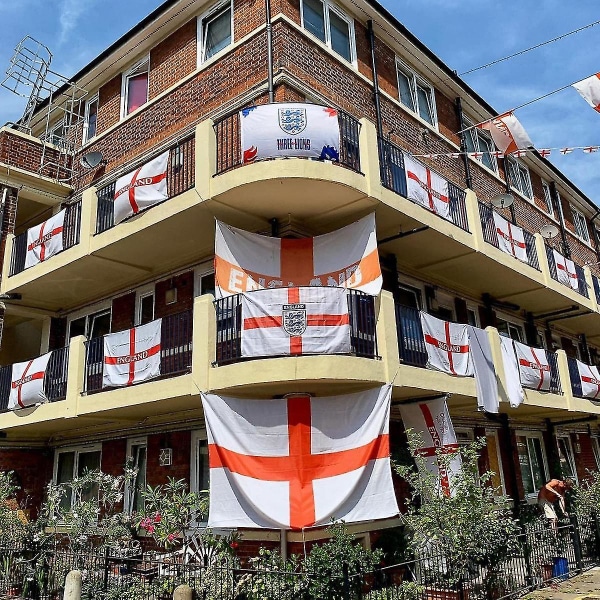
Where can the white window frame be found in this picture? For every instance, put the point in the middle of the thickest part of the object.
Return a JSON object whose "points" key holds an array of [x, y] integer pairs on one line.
{"points": [[49, 137], [523, 183], [417, 80], [144, 292], [474, 310], [86, 122], [548, 198], [478, 137], [200, 272], [88, 312], [129, 489], [207, 15], [198, 435], [494, 434], [511, 322], [580, 225], [532, 496], [77, 450], [570, 459], [125, 88]]}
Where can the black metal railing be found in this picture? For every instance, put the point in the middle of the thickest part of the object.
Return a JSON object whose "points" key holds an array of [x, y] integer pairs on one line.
{"points": [[175, 351], [229, 149], [486, 214], [555, 385], [411, 343], [575, 378], [180, 178], [582, 287], [596, 287], [70, 238]]}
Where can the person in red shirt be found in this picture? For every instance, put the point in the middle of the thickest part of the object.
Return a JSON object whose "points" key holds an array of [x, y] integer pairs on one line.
{"points": [[549, 493]]}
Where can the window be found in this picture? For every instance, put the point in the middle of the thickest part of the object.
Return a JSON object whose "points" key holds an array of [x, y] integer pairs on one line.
{"points": [[416, 94], [518, 176], [204, 280], [510, 330], [328, 23], [91, 326], [144, 302], [566, 457], [495, 460], [91, 119], [548, 198], [580, 224], [137, 456], [532, 461], [74, 462], [472, 316], [409, 296], [135, 87], [596, 449], [214, 31], [56, 134], [479, 142], [200, 475]]}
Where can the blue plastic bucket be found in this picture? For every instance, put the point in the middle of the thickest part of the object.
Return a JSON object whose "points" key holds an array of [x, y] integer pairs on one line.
{"points": [[560, 567]]}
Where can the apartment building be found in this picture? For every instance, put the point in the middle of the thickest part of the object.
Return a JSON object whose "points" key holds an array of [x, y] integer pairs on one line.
{"points": [[176, 83]]}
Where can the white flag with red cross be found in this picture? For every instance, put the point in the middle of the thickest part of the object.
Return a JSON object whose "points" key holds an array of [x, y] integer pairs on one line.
{"points": [[426, 187], [45, 240], [141, 188], [27, 382], [590, 381], [511, 238], [447, 346], [295, 321], [534, 369], [589, 89], [565, 270], [132, 356], [299, 461], [507, 132], [431, 421], [347, 258]]}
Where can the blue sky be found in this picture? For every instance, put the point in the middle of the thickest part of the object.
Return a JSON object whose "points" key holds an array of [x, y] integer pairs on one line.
{"points": [[463, 33]]}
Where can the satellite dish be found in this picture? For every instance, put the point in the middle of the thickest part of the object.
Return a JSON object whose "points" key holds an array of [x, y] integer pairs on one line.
{"points": [[502, 200], [549, 231], [91, 160]]}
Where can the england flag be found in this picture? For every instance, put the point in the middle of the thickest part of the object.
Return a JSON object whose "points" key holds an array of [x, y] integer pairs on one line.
{"points": [[45, 240], [511, 238], [590, 381], [565, 270], [27, 382], [534, 369], [426, 187]]}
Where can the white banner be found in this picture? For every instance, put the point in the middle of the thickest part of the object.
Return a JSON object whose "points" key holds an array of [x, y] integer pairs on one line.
{"points": [[431, 420], [45, 240], [514, 389], [483, 370], [565, 270], [507, 132], [27, 382], [299, 461], [590, 381], [132, 356], [511, 238], [344, 258], [426, 187], [534, 369], [141, 188], [289, 129], [589, 88]]}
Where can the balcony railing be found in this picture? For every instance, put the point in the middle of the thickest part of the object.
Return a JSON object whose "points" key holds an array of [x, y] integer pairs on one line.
{"points": [[175, 351], [55, 379], [555, 385], [229, 151], [180, 178], [491, 237], [581, 283], [71, 231], [393, 177], [596, 287], [363, 321]]}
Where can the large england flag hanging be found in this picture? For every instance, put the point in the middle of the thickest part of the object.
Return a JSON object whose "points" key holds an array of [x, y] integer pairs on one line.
{"points": [[132, 356], [431, 420], [27, 382], [427, 188], [344, 258], [534, 369], [590, 381], [589, 89], [299, 461], [507, 132], [565, 270], [284, 129], [294, 321], [511, 238], [447, 346], [141, 189], [45, 240]]}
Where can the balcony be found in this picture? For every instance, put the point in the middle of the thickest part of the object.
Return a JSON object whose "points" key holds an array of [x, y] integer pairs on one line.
{"points": [[582, 287]]}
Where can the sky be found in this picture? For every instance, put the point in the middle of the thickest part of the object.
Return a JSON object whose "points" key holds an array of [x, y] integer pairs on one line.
{"points": [[465, 34]]}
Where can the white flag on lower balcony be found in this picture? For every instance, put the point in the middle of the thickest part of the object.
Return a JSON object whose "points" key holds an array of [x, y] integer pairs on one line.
{"points": [[590, 381], [426, 187], [565, 270], [534, 369], [45, 240], [511, 238], [299, 461], [27, 382], [295, 321], [132, 356], [141, 188], [514, 389]]}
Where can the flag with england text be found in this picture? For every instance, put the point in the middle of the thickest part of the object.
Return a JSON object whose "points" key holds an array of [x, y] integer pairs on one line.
{"points": [[426, 187], [141, 188], [45, 240], [534, 368], [511, 238], [346, 257], [27, 382], [289, 129], [565, 270], [132, 356], [299, 461], [589, 89], [590, 380], [507, 132]]}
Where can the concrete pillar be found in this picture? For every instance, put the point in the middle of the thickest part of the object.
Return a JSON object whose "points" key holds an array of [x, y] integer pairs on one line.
{"points": [[474, 219], [206, 158], [369, 157], [73, 586], [183, 592], [204, 340]]}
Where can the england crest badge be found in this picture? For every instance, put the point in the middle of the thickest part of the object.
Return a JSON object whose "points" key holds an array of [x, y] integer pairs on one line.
{"points": [[292, 120], [294, 319]]}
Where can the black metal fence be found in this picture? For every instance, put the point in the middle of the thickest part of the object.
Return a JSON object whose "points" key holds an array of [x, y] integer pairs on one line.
{"points": [[555, 385], [596, 287], [411, 343], [582, 287]]}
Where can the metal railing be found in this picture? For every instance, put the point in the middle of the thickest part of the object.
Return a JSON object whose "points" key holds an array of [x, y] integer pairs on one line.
{"points": [[411, 343], [229, 149], [575, 378], [175, 351], [490, 235], [596, 287], [180, 178], [393, 176], [581, 283], [555, 385], [70, 238]]}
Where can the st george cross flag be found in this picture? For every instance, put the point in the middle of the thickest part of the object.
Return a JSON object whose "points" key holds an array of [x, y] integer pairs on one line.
{"points": [[534, 370], [447, 346], [27, 382], [132, 356], [299, 461], [508, 134], [285, 129], [141, 189], [590, 381], [431, 420], [427, 188], [45, 240], [294, 321], [589, 88], [565, 270], [511, 238], [514, 389], [344, 258]]}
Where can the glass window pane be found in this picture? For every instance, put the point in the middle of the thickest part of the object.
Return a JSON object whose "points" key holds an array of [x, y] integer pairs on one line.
{"points": [[471, 140], [139, 462], [314, 18], [203, 466], [137, 91], [99, 324], [405, 85], [425, 104], [92, 119], [146, 309], [525, 465], [88, 461], [217, 32], [565, 458], [64, 474], [537, 462], [207, 284], [340, 35], [77, 327]]}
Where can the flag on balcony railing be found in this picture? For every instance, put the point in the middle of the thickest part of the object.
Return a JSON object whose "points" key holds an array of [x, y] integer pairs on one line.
{"points": [[45, 240], [511, 238], [295, 321], [299, 461], [141, 188], [590, 381], [589, 88], [27, 382], [514, 389], [483, 369], [534, 369], [507, 132], [565, 270], [132, 356], [426, 187], [347, 257], [283, 129], [431, 420]]}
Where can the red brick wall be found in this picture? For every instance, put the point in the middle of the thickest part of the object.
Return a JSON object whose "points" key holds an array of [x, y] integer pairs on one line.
{"points": [[180, 442], [585, 461], [249, 15], [114, 455], [26, 154], [58, 333], [123, 312], [185, 295]]}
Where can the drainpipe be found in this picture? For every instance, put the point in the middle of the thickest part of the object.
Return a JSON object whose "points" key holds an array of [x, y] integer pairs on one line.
{"points": [[595, 234], [463, 143], [558, 204], [507, 187], [269, 51], [376, 97]]}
